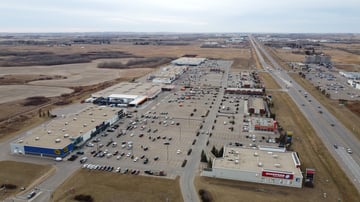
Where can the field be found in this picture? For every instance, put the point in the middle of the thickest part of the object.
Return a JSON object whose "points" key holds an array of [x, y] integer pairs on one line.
{"points": [[115, 187], [329, 179], [21, 175]]}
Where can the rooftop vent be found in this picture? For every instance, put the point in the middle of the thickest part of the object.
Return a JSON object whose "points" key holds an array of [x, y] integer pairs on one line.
{"points": [[90, 113], [62, 116], [275, 156], [74, 118], [58, 140], [20, 141], [277, 165], [66, 135], [92, 120], [37, 138], [256, 154], [49, 132], [236, 161], [270, 153], [105, 114], [63, 130], [66, 123], [85, 125], [260, 164]]}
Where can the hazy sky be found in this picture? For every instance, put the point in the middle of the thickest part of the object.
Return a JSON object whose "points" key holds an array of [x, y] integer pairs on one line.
{"points": [[180, 16]]}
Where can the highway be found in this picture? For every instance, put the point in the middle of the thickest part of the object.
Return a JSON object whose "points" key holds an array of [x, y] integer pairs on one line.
{"points": [[326, 126]]}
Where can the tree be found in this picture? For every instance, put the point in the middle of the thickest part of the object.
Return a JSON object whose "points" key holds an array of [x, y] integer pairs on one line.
{"points": [[203, 157], [210, 163], [221, 152], [214, 151]]}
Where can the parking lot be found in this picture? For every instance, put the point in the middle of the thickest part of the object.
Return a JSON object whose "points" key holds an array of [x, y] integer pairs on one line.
{"points": [[330, 81], [158, 136]]}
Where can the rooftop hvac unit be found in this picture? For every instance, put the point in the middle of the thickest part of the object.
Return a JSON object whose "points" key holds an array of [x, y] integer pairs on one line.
{"points": [[74, 118], [85, 125], [49, 132], [20, 141], [105, 114], [77, 114], [260, 164], [63, 130], [236, 161], [92, 120], [270, 153], [58, 140], [66, 135], [275, 156], [81, 131], [90, 113], [37, 138], [62, 116], [66, 123], [277, 165], [256, 154]]}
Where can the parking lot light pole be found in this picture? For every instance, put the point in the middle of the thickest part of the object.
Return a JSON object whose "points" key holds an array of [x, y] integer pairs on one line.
{"points": [[167, 153]]}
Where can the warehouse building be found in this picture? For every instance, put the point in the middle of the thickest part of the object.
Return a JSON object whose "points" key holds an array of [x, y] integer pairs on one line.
{"points": [[264, 165], [188, 61], [168, 74], [66, 133], [127, 94]]}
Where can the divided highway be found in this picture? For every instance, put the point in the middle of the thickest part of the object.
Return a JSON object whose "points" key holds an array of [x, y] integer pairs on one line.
{"points": [[326, 126]]}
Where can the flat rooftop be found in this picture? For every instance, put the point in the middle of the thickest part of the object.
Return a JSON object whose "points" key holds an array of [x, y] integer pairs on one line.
{"points": [[257, 103], [65, 128], [188, 61], [249, 160], [129, 88], [259, 121]]}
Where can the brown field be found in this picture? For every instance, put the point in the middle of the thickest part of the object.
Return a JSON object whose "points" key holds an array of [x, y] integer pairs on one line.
{"points": [[107, 186], [287, 55], [313, 154], [21, 175], [269, 82]]}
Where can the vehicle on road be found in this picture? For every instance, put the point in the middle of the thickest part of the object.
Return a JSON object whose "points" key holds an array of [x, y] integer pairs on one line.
{"points": [[31, 195]]}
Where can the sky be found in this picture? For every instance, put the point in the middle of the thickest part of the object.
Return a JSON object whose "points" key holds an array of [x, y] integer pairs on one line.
{"points": [[187, 16]]}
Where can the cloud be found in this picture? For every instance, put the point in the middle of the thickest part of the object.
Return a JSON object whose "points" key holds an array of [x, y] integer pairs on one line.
{"points": [[182, 15]]}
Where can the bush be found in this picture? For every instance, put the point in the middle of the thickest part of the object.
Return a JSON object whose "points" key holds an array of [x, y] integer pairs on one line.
{"points": [[83, 198], [205, 195], [8, 186]]}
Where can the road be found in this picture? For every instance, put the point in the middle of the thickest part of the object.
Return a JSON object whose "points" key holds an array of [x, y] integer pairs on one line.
{"points": [[321, 122], [192, 168]]}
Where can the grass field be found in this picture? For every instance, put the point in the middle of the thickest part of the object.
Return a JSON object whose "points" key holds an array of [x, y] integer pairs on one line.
{"points": [[329, 179], [106, 186], [20, 174]]}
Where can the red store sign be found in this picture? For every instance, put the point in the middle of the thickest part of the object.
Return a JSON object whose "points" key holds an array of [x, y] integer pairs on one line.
{"points": [[277, 175]]}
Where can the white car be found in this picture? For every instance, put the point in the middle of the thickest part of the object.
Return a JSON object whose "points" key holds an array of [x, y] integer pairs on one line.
{"points": [[136, 158], [178, 151]]}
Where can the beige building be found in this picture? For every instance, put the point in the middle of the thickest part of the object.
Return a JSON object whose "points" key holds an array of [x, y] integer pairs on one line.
{"points": [[265, 165]]}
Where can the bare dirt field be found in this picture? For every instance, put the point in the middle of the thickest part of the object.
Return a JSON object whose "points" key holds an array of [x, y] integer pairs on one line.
{"points": [[10, 93], [269, 82], [109, 186], [80, 74], [19, 174]]}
